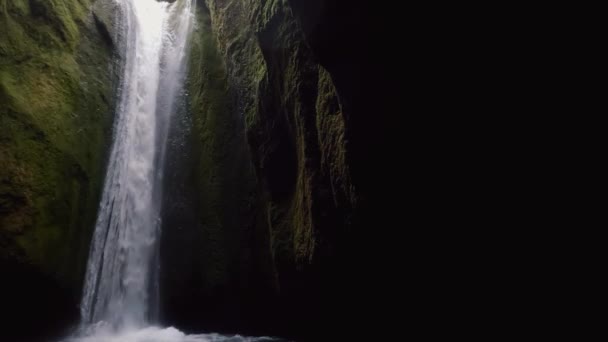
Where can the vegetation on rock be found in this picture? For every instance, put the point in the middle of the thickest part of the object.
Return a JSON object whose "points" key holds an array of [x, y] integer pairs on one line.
{"points": [[55, 123], [252, 72]]}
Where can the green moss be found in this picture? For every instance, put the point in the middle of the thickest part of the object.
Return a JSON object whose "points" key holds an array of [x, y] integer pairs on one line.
{"points": [[331, 126], [209, 102], [294, 123], [55, 118], [224, 171]]}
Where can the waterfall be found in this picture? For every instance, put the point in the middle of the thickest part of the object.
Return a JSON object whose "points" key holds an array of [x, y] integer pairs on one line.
{"points": [[121, 279], [120, 297]]}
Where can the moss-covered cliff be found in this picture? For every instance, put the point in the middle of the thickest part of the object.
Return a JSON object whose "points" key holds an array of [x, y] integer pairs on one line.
{"points": [[55, 124], [259, 70], [215, 255]]}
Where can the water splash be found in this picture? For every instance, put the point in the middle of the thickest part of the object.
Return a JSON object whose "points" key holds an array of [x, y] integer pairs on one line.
{"points": [[102, 333]]}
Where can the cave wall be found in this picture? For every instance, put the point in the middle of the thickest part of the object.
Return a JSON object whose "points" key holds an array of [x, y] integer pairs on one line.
{"points": [[295, 104], [56, 93], [215, 267]]}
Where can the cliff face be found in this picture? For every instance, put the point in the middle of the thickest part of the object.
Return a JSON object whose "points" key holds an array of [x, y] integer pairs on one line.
{"points": [[286, 74], [55, 123], [214, 259]]}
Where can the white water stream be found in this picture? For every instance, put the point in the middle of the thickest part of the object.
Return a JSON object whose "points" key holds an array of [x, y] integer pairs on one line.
{"points": [[120, 297]]}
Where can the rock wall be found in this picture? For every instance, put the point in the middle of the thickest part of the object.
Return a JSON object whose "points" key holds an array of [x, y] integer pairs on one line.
{"points": [[56, 99], [270, 72], [214, 260]]}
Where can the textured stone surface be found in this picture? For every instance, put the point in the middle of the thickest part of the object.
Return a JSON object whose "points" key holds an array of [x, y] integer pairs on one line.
{"points": [[214, 244], [55, 118], [268, 84]]}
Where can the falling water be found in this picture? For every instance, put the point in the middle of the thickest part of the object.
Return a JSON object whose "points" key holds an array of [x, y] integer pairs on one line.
{"points": [[121, 287], [120, 280]]}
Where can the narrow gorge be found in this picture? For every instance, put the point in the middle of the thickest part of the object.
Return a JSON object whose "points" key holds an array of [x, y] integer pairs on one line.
{"points": [[189, 170]]}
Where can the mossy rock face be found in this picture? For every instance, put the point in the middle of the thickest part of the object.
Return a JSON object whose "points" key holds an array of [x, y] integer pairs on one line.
{"points": [[307, 74], [104, 14], [56, 105], [253, 73], [295, 125], [214, 239]]}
